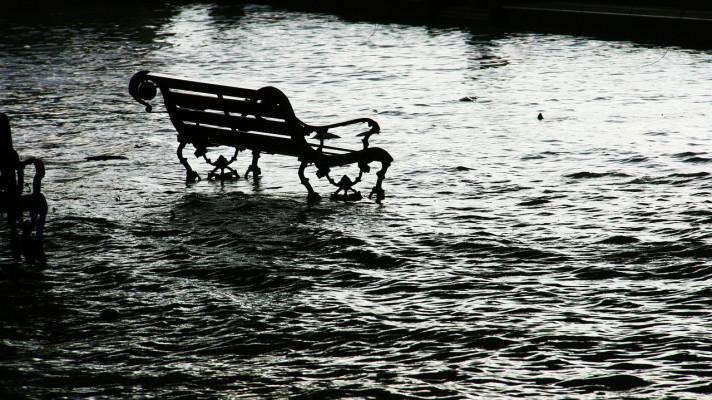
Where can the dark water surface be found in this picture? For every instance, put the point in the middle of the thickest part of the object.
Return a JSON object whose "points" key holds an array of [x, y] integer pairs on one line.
{"points": [[562, 258]]}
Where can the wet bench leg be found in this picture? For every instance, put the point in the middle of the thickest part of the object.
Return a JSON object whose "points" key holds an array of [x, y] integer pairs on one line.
{"points": [[312, 196], [190, 175], [256, 171]]}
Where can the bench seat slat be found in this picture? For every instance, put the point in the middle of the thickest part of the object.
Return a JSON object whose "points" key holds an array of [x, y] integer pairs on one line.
{"points": [[233, 122], [253, 141]]}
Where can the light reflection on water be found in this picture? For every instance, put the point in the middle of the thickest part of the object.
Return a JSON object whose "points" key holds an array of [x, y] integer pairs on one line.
{"points": [[513, 256]]}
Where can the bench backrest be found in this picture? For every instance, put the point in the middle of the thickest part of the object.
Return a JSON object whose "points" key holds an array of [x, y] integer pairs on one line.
{"points": [[9, 158], [12, 174], [193, 104]]}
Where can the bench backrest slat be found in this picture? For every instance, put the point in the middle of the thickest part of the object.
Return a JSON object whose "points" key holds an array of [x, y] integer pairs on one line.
{"points": [[204, 87], [196, 101]]}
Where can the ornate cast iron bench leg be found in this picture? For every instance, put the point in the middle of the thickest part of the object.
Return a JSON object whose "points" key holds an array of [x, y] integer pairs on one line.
{"points": [[378, 189], [312, 196], [32, 248], [190, 175], [256, 171], [222, 164], [345, 185], [14, 237], [40, 218]]}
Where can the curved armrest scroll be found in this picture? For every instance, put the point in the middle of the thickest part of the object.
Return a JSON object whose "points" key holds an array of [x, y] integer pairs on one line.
{"points": [[142, 88], [39, 173]]}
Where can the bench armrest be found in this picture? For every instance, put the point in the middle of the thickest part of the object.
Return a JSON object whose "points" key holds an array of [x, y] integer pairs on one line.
{"points": [[322, 131], [39, 173]]}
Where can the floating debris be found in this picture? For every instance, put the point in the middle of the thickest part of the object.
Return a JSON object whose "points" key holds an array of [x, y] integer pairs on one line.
{"points": [[620, 239], [105, 158]]}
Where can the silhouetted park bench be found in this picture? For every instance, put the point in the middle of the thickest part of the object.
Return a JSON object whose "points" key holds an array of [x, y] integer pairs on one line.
{"points": [[263, 121], [15, 201]]}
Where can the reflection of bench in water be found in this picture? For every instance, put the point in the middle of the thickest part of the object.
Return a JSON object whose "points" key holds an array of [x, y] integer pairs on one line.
{"points": [[263, 121], [15, 202]]}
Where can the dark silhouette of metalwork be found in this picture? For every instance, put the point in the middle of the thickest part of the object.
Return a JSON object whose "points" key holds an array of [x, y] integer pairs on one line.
{"points": [[263, 121], [15, 202]]}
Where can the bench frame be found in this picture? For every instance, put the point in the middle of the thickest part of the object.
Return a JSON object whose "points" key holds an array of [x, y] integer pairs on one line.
{"points": [[15, 202], [263, 121]]}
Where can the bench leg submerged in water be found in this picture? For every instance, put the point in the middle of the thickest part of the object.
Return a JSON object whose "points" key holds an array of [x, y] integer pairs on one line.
{"points": [[378, 189], [256, 171], [190, 175], [26, 234], [223, 164], [312, 195], [345, 191], [345, 186], [32, 247]]}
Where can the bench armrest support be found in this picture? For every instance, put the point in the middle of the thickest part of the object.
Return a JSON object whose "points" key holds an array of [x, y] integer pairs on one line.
{"points": [[322, 130], [39, 173]]}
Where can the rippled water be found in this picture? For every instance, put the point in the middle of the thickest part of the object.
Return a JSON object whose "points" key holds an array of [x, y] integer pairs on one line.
{"points": [[567, 257]]}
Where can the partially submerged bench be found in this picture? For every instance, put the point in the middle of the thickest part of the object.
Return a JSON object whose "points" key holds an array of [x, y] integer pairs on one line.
{"points": [[15, 201], [263, 121]]}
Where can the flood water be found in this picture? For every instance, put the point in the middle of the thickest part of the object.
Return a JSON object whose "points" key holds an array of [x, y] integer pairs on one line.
{"points": [[567, 257]]}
